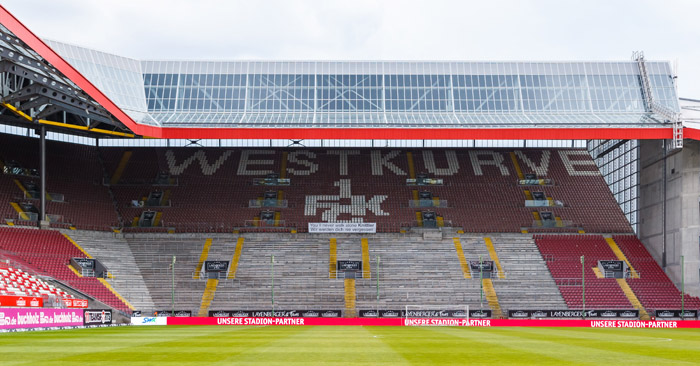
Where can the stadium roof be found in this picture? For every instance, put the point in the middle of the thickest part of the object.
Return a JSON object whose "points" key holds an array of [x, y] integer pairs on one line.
{"points": [[99, 92]]}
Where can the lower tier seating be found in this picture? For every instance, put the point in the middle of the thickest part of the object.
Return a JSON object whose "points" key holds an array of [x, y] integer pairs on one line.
{"points": [[50, 252], [563, 255], [653, 287]]}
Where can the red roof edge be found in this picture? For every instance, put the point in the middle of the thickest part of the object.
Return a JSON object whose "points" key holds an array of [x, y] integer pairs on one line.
{"points": [[28, 37]]}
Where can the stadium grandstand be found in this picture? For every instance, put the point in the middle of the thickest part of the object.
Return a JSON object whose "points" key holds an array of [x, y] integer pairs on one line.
{"points": [[346, 189]]}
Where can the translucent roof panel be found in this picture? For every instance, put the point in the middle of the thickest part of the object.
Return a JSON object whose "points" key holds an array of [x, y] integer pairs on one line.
{"points": [[314, 94]]}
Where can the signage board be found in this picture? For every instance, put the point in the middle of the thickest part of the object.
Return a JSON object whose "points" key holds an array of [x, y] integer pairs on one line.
{"points": [[342, 227]]}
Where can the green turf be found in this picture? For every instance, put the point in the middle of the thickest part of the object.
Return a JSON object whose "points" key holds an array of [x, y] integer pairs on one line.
{"points": [[278, 345]]}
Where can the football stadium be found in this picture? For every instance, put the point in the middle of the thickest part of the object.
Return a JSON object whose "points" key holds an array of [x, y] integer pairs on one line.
{"points": [[337, 212]]}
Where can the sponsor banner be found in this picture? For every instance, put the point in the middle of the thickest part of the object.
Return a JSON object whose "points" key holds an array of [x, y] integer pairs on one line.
{"points": [[98, 316], [75, 303], [515, 314], [475, 314], [615, 266], [424, 313], [22, 301], [342, 227], [216, 266], [86, 263], [428, 322], [486, 266], [667, 313], [349, 265], [278, 313], [12, 318], [178, 313], [625, 313], [151, 320]]}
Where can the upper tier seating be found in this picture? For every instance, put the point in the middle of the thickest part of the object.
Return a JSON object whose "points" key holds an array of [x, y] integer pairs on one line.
{"points": [[72, 170], [215, 185], [563, 254], [50, 252], [653, 288]]}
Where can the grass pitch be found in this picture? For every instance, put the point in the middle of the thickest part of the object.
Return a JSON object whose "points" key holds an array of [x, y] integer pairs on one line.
{"points": [[326, 345]]}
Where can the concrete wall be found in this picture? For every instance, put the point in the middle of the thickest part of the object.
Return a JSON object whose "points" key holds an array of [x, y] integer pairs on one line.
{"points": [[682, 209]]}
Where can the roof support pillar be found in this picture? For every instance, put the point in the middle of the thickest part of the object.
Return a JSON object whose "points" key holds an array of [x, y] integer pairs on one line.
{"points": [[42, 154]]}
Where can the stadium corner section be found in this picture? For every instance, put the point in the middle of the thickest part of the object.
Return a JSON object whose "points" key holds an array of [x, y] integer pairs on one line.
{"points": [[581, 323]]}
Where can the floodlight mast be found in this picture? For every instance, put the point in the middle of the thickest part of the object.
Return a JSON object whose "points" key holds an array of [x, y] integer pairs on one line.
{"points": [[272, 288], [172, 293], [583, 286]]}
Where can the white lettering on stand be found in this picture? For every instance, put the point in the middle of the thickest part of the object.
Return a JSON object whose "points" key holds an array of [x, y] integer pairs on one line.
{"points": [[495, 160], [570, 165], [357, 208], [379, 162], [245, 161], [207, 169], [452, 163], [542, 169]]}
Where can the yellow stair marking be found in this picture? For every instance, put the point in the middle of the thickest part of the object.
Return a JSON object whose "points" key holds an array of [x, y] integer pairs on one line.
{"points": [[460, 231], [524, 231], [411, 165], [112, 290], [171, 231], [236, 258], [621, 256], [9, 223], [643, 315], [19, 210], [166, 197], [293, 231], [135, 221], [558, 221], [280, 198], [436, 201], [517, 166], [415, 195], [462, 261], [120, 168], [440, 221], [550, 201], [581, 231], [277, 218], [528, 195], [349, 297], [419, 218], [76, 245], [492, 298], [494, 256], [21, 187], [74, 270], [332, 258], [156, 220], [256, 221], [597, 272], [208, 296], [365, 258], [73, 228], [283, 168], [536, 215], [202, 257]]}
